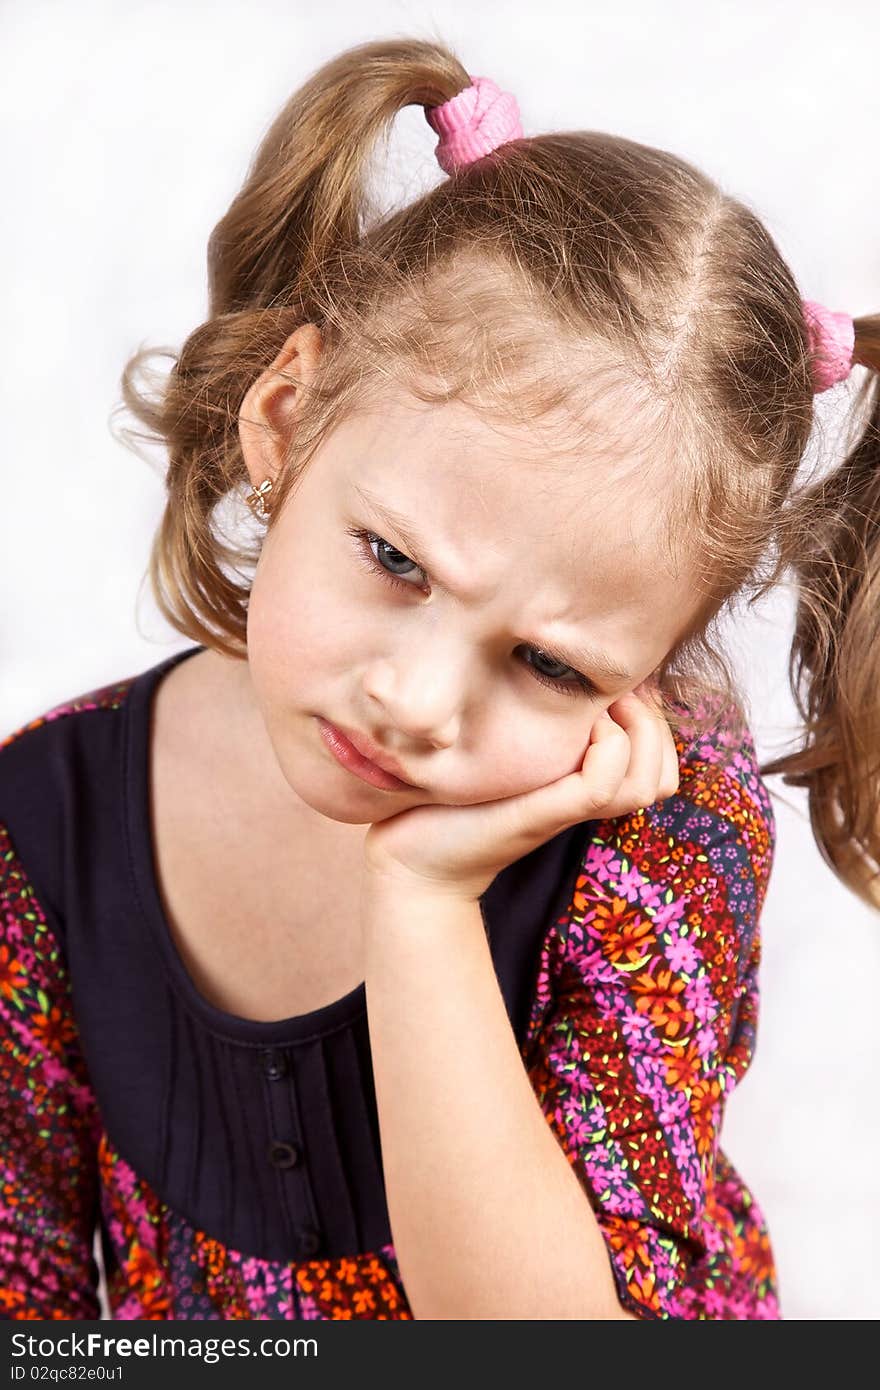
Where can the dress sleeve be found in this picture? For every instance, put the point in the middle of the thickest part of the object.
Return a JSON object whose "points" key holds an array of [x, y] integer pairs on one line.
{"points": [[48, 1119], [645, 1019]]}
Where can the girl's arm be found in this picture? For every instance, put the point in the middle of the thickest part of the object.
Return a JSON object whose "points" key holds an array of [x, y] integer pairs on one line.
{"points": [[48, 1119], [488, 1217], [506, 1172]]}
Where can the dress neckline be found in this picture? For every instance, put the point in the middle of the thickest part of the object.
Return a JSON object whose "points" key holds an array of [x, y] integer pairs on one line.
{"points": [[339, 1013]]}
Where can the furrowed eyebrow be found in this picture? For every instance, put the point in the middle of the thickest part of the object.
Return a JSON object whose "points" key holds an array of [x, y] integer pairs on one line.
{"points": [[586, 659]]}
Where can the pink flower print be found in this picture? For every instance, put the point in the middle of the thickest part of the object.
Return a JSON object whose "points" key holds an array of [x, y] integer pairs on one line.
{"points": [[582, 1128], [667, 915], [125, 1179], [712, 1237], [713, 1300], [256, 1298], [673, 1108], [54, 1071], [584, 933], [701, 999], [636, 1028], [650, 1072], [542, 987], [617, 1202], [15, 934], [651, 895], [629, 1202], [600, 859], [618, 1174], [630, 884], [594, 968], [682, 1147], [308, 1308], [767, 1308], [681, 954], [740, 1307]]}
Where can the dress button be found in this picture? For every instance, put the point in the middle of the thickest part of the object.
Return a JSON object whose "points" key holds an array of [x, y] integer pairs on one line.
{"points": [[274, 1064], [309, 1241], [283, 1155]]}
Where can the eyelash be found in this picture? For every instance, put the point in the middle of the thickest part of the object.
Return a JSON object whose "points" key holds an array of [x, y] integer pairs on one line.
{"points": [[364, 540]]}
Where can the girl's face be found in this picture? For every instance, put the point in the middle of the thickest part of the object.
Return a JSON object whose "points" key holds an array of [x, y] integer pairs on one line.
{"points": [[454, 639]]}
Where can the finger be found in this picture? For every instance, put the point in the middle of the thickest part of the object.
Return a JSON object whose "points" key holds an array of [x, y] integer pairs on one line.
{"points": [[670, 770], [528, 820], [648, 735], [670, 774], [606, 760]]}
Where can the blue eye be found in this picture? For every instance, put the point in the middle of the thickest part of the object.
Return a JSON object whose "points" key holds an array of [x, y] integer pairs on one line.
{"points": [[365, 540]]}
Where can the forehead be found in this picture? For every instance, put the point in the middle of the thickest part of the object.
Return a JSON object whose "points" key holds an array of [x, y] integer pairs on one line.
{"points": [[589, 490], [555, 533]]}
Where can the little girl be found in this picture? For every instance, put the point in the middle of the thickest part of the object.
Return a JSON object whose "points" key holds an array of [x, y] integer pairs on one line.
{"points": [[392, 951]]}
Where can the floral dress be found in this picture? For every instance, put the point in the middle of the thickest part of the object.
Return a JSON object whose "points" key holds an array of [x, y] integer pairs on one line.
{"points": [[231, 1168]]}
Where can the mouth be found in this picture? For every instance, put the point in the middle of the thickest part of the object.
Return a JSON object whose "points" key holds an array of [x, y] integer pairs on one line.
{"points": [[352, 750]]}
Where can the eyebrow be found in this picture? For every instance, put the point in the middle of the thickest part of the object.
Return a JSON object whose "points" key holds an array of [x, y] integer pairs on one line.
{"points": [[584, 658]]}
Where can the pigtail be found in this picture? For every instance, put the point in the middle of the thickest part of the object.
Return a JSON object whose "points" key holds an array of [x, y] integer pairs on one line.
{"points": [[834, 667], [305, 196], [303, 204]]}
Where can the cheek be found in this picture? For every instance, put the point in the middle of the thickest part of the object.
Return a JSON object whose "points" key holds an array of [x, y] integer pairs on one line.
{"points": [[558, 751], [519, 755], [295, 619]]}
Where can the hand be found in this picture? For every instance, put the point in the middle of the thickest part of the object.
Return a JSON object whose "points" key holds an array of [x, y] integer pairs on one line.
{"points": [[630, 762]]}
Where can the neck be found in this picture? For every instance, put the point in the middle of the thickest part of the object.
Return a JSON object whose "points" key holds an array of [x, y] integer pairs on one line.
{"points": [[218, 700]]}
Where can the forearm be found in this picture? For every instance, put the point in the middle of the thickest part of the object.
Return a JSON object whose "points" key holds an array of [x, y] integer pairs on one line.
{"points": [[487, 1215]]}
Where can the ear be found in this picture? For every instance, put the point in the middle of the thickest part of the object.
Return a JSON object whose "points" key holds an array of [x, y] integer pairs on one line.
{"points": [[268, 412]]}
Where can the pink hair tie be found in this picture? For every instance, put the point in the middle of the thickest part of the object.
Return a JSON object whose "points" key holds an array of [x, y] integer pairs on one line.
{"points": [[832, 340], [473, 123]]}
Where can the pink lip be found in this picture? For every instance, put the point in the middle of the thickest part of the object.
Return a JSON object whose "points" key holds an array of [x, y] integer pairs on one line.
{"points": [[349, 754]]}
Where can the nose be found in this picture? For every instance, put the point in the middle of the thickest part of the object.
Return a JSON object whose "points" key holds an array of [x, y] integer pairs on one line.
{"points": [[419, 698]]}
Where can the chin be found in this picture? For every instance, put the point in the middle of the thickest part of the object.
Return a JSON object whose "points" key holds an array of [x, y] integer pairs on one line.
{"points": [[357, 804], [339, 806], [352, 818]]}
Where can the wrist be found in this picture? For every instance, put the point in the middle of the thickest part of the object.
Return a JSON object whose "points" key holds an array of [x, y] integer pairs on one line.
{"points": [[389, 879], [396, 905]]}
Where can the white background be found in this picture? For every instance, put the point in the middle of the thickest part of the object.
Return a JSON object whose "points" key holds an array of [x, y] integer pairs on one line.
{"points": [[127, 129]]}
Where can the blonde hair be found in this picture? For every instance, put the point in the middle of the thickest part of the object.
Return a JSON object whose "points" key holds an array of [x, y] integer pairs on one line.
{"points": [[642, 273]]}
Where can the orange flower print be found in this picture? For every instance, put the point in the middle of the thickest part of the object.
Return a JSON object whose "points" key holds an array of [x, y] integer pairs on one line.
{"points": [[53, 1029], [705, 1098], [628, 946], [628, 1239], [364, 1303], [141, 1263], [391, 1298], [684, 1068], [374, 1271], [659, 999], [642, 1288], [144, 1274], [12, 976]]}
